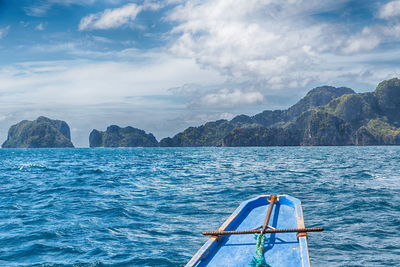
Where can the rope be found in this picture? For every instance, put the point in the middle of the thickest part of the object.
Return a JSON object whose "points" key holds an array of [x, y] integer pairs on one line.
{"points": [[259, 260]]}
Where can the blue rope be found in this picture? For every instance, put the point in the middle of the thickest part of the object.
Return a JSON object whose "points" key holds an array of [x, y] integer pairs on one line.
{"points": [[259, 260]]}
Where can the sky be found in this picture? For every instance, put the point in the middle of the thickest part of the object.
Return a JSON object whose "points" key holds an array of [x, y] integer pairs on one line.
{"points": [[163, 66]]}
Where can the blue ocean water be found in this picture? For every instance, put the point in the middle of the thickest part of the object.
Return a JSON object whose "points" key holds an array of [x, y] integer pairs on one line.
{"points": [[148, 206]]}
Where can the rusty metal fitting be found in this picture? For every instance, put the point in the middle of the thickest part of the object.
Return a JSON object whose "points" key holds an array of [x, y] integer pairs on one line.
{"points": [[300, 234]]}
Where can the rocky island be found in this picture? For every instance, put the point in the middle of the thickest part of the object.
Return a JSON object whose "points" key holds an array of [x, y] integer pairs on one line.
{"points": [[325, 116], [40, 133], [116, 136]]}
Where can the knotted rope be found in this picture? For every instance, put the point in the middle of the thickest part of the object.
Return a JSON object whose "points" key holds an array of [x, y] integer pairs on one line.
{"points": [[259, 260]]}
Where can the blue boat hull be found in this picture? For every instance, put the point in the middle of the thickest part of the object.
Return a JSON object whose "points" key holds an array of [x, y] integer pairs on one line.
{"points": [[281, 249]]}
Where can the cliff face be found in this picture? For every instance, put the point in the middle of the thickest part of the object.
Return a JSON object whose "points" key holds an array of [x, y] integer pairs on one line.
{"points": [[320, 128], [209, 134], [262, 136], [40, 133], [213, 133], [350, 119], [325, 116], [317, 97], [387, 95], [116, 136], [309, 129]]}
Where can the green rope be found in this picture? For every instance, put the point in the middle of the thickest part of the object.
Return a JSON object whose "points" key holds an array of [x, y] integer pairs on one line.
{"points": [[259, 260]]}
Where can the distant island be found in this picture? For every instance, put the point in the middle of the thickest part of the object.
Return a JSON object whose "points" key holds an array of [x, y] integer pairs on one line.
{"points": [[116, 136], [326, 116], [40, 133]]}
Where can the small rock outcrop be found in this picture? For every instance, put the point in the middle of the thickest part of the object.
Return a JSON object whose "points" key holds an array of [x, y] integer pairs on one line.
{"points": [[40, 133], [116, 136]]}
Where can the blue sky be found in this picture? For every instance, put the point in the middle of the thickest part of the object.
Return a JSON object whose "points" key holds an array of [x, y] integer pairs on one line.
{"points": [[165, 65]]}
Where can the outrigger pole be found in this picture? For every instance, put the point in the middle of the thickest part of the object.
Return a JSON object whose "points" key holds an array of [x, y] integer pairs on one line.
{"points": [[246, 232], [264, 229]]}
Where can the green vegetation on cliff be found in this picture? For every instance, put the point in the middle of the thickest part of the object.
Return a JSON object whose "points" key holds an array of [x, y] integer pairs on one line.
{"points": [[209, 134], [116, 136], [387, 95], [317, 97], [213, 133], [380, 127], [325, 116], [380, 132], [40, 133], [350, 119]]}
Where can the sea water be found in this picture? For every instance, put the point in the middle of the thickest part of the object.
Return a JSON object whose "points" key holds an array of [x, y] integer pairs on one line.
{"points": [[148, 206]]}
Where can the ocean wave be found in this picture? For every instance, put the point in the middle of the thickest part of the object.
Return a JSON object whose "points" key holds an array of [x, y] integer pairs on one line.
{"points": [[99, 207], [33, 166]]}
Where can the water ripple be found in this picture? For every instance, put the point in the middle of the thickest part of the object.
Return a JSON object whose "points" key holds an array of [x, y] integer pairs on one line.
{"points": [[147, 207]]}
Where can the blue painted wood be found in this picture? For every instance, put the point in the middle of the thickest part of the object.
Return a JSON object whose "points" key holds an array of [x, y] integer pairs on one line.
{"points": [[281, 249]]}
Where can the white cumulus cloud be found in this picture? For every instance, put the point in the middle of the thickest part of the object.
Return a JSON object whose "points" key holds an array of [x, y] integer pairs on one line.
{"points": [[367, 40], [278, 44], [247, 39], [389, 10]]}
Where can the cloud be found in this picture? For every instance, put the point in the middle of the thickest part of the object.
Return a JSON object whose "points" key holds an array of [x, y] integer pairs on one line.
{"points": [[390, 10], [40, 27], [110, 18], [154, 4], [231, 98], [118, 17], [24, 23], [91, 82], [279, 44], [391, 30], [41, 7], [219, 97], [4, 31], [90, 94], [102, 39], [261, 40], [231, 56], [367, 40], [3, 117], [37, 11]]}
